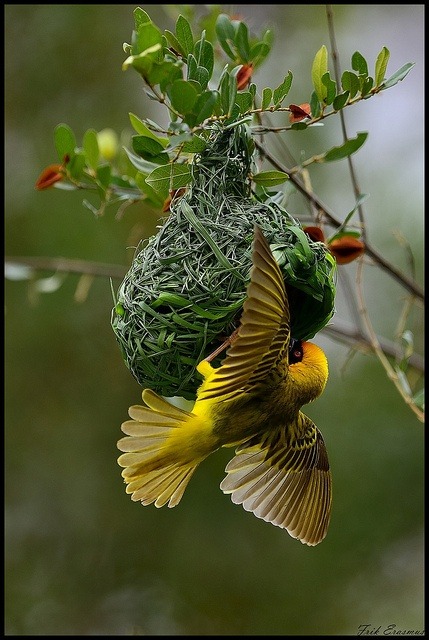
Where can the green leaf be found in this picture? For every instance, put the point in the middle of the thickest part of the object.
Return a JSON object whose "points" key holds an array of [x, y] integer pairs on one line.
{"points": [[184, 35], [318, 70], [183, 96], [315, 107], [359, 64], [202, 77], [146, 189], [340, 101], [204, 55], [299, 126], [270, 178], [342, 234], [350, 82], [90, 147], [228, 90], [65, 141], [139, 163], [174, 43], [169, 177], [148, 41], [139, 126], [345, 150], [104, 172], [366, 86], [77, 165], [179, 140], [398, 75], [242, 42], [140, 17], [197, 73], [225, 34], [143, 61], [143, 130], [232, 116], [381, 66], [258, 53], [163, 73], [205, 106], [192, 67], [174, 72], [282, 90], [195, 145], [244, 100], [150, 149], [331, 88], [233, 89], [267, 94]]}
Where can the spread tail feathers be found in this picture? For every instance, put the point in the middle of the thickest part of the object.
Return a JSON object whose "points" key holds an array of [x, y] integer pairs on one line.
{"points": [[153, 470]]}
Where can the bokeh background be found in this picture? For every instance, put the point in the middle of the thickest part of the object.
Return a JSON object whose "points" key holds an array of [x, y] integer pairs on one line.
{"points": [[80, 557]]}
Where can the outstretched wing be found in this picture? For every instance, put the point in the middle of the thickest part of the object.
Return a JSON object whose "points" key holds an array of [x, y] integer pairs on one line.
{"points": [[264, 331], [285, 480]]}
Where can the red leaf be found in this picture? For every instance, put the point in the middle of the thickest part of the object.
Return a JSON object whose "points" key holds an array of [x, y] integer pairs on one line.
{"points": [[49, 176], [315, 233], [299, 112], [346, 249], [244, 76]]}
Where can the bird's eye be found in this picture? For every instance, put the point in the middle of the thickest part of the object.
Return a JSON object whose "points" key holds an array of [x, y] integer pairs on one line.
{"points": [[295, 351]]}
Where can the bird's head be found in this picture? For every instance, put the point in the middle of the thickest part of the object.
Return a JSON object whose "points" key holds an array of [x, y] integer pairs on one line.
{"points": [[308, 369]]}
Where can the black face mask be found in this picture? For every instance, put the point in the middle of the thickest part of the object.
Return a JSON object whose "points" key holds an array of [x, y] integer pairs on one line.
{"points": [[295, 351]]}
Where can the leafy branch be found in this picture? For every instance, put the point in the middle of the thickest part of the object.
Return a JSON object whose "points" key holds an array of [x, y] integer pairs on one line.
{"points": [[187, 76]]}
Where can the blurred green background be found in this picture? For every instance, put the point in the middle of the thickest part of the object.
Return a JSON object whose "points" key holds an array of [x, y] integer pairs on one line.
{"points": [[81, 558]]}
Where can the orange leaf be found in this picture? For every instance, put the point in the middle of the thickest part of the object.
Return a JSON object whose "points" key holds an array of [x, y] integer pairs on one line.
{"points": [[244, 76], [49, 176], [299, 112], [346, 249], [315, 233]]}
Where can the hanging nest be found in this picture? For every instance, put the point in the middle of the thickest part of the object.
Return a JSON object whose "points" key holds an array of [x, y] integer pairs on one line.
{"points": [[182, 296]]}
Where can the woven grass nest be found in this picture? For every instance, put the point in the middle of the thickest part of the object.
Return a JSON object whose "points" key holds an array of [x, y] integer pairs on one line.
{"points": [[183, 294]]}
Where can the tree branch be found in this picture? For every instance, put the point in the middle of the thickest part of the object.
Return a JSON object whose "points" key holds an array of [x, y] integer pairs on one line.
{"points": [[350, 336], [69, 265], [339, 330]]}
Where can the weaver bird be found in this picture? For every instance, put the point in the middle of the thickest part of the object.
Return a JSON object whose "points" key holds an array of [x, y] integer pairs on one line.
{"points": [[253, 402]]}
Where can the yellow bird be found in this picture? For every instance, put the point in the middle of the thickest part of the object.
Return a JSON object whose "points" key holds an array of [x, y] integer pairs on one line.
{"points": [[253, 401]]}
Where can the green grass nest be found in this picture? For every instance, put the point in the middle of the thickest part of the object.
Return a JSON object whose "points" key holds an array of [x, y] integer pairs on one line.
{"points": [[184, 291]]}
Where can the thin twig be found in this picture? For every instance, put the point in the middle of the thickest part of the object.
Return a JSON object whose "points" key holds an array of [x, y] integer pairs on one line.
{"points": [[68, 265], [341, 332], [378, 350], [337, 72]]}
